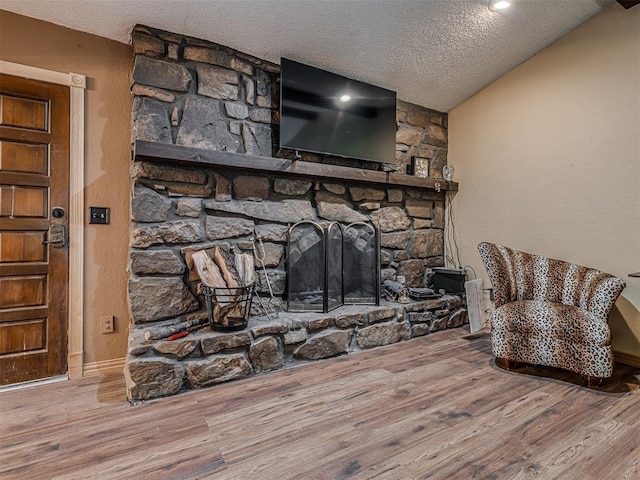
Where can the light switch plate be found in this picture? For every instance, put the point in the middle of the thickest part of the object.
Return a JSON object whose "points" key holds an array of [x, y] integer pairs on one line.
{"points": [[99, 215]]}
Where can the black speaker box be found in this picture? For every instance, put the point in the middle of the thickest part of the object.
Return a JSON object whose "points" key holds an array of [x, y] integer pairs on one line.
{"points": [[451, 280]]}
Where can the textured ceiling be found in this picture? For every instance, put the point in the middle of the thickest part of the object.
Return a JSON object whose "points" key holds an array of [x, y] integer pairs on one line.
{"points": [[435, 53]]}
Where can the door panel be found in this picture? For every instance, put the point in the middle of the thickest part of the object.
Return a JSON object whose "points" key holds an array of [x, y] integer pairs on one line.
{"points": [[22, 337], [34, 176], [23, 112], [22, 202], [29, 202], [18, 247], [23, 157], [23, 291]]}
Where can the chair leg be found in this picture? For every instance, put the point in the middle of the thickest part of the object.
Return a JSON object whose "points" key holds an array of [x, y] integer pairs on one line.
{"points": [[508, 364], [592, 382]]}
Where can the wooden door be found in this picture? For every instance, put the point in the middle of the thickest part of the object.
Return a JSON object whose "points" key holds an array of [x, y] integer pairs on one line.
{"points": [[34, 209]]}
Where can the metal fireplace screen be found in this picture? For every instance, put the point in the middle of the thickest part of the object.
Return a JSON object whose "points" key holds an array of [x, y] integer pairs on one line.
{"points": [[361, 260], [329, 266]]}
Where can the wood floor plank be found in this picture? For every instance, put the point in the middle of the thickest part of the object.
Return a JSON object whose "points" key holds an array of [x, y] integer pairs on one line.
{"points": [[630, 466], [437, 451], [576, 451], [435, 407], [189, 457]]}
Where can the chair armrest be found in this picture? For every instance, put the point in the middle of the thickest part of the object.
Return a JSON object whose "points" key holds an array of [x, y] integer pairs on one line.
{"points": [[500, 274], [599, 293]]}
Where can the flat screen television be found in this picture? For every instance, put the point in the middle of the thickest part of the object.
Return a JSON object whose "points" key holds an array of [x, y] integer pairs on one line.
{"points": [[326, 113]]}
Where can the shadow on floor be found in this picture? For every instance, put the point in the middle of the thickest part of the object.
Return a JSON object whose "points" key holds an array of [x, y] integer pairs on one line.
{"points": [[625, 378]]}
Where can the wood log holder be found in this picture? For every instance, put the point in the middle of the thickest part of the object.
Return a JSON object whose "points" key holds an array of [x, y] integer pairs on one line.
{"points": [[228, 307]]}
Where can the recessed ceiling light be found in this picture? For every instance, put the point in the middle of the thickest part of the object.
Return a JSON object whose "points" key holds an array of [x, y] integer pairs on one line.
{"points": [[495, 5], [345, 98]]}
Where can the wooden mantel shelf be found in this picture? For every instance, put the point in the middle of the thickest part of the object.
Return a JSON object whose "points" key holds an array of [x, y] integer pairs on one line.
{"points": [[176, 154]]}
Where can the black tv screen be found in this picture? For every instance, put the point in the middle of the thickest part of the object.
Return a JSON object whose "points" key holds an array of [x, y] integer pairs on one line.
{"points": [[330, 114]]}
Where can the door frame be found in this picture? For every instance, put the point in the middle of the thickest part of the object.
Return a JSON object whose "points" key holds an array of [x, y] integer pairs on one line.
{"points": [[77, 84]]}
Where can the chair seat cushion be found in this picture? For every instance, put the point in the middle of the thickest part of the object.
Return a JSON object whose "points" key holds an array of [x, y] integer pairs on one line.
{"points": [[558, 321]]}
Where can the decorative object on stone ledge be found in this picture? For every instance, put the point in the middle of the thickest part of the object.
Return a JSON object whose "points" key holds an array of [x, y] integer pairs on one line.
{"points": [[419, 167], [422, 293], [447, 172]]}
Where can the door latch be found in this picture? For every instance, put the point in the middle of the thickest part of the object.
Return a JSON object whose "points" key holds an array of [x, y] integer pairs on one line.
{"points": [[57, 237]]}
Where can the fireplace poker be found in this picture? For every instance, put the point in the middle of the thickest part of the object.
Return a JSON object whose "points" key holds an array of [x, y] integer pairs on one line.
{"points": [[275, 304], [262, 305]]}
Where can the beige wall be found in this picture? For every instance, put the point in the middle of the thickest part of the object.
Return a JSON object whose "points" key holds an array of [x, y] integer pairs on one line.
{"points": [[107, 65], [548, 158]]}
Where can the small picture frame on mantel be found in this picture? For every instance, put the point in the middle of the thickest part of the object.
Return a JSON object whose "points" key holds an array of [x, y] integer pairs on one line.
{"points": [[420, 166]]}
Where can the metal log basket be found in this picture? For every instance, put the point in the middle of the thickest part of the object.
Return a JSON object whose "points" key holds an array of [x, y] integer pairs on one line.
{"points": [[228, 307]]}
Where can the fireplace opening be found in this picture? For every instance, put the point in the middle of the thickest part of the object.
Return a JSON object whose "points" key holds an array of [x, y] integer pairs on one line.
{"points": [[332, 265]]}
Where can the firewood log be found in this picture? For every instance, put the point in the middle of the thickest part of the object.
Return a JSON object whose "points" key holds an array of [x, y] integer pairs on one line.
{"points": [[226, 312], [221, 273], [193, 273], [156, 333], [228, 256], [208, 271], [210, 275], [227, 309], [249, 268], [237, 260], [228, 315], [245, 268], [229, 276]]}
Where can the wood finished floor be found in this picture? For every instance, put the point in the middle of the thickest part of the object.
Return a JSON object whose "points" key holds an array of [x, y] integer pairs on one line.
{"points": [[433, 407]]}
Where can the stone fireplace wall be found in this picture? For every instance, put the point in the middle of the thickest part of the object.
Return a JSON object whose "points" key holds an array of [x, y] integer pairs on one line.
{"points": [[196, 93], [192, 93], [231, 209]]}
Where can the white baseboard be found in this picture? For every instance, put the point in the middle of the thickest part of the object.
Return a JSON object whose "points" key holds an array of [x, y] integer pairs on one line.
{"points": [[105, 366], [33, 383], [75, 364]]}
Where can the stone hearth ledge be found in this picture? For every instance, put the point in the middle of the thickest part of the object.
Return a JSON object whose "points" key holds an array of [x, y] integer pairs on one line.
{"points": [[157, 368], [181, 155]]}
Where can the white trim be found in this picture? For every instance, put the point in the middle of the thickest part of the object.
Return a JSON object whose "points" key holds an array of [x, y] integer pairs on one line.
{"points": [[76, 226], [77, 84], [34, 383], [34, 73], [106, 366]]}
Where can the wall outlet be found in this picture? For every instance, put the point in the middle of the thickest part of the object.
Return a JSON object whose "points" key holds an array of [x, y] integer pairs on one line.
{"points": [[106, 324]]}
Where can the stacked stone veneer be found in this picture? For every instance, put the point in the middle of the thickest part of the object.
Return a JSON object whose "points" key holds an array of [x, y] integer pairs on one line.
{"points": [[205, 358], [197, 94]]}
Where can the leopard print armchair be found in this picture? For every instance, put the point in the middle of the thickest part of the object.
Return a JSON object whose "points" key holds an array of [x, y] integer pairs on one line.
{"points": [[550, 312]]}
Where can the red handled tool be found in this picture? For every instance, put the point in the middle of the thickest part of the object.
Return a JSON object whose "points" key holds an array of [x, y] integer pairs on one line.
{"points": [[175, 336]]}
